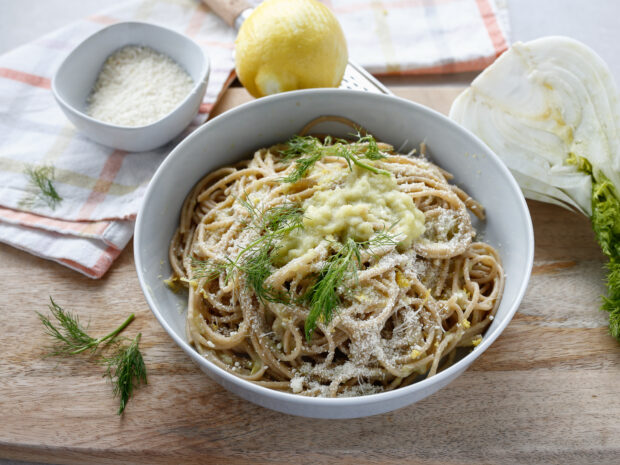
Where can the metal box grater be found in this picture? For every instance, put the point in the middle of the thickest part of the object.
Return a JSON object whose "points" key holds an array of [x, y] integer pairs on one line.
{"points": [[357, 78]]}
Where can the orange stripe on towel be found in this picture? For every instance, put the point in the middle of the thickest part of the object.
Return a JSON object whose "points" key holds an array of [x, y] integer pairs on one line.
{"points": [[205, 108], [37, 221], [102, 19], [490, 22], [355, 7], [456, 67], [108, 173], [102, 264], [26, 78]]}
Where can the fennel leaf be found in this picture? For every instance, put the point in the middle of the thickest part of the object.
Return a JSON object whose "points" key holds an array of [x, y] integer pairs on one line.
{"points": [[255, 260], [126, 371], [307, 150], [126, 367], [324, 296], [41, 179], [71, 337]]}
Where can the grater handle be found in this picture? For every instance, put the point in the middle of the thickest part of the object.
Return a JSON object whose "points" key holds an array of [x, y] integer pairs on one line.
{"points": [[228, 10]]}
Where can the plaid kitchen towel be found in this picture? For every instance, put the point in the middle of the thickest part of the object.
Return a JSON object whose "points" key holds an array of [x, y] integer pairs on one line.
{"points": [[101, 188], [423, 36]]}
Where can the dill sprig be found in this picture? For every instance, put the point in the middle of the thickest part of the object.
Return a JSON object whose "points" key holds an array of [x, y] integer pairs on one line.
{"points": [[125, 366], [324, 296], [71, 337], [255, 260], [372, 151], [304, 159], [280, 219], [297, 146], [42, 179], [207, 268], [257, 266], [126, 371], [307, 150]]}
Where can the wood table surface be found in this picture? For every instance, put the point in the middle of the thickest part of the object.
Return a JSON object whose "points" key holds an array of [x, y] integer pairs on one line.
{"points": [[547, 391]]}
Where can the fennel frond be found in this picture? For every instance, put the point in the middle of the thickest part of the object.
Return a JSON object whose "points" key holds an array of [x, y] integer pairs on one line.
{"points": [[126, 367], [41, 179]]}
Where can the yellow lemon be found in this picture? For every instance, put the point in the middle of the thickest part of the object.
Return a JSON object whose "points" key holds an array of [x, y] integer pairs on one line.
{"points": [[288, 45]]}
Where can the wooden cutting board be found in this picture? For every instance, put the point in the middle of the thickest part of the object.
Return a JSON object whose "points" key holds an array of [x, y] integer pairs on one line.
{"points": [[545, 392]]}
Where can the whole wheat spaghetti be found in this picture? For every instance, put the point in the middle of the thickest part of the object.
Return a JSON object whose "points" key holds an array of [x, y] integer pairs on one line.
{"points": [[333, 268]]}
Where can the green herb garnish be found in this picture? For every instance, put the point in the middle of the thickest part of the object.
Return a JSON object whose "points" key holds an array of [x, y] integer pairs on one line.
{"points": [[126, 370], [255, 261], [71, 337], [372, 151], [297, 146], [257, 265], [208, 269], [125, 366], [307, 150], [324, 296], [42, 179]]}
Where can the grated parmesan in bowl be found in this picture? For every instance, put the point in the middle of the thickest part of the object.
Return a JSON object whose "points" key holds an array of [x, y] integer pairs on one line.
{"points": [[132, 86], [138, 86]]}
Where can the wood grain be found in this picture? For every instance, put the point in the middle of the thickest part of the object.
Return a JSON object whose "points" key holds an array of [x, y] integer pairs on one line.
{"points": [[545, 392]]}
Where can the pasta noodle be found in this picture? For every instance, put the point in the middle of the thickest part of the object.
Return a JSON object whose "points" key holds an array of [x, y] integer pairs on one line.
{"points": [[401, 311]]}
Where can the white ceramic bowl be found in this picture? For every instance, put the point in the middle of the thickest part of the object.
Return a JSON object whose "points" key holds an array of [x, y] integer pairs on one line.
{"points": [[77, 74], [236, 134]]}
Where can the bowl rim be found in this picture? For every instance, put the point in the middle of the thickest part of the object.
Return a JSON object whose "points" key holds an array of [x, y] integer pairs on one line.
{"points": [[345, 402], [204, 74]]}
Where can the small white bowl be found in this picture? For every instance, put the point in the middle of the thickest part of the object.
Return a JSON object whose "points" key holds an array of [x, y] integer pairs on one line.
{"points": [[235, 136], [77, 74]]}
